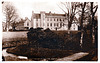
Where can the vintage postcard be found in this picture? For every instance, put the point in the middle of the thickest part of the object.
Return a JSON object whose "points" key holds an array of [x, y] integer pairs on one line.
{"points": [[49, 30]]}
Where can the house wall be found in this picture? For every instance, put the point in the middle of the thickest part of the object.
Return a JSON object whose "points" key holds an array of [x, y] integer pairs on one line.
{"points": [[74, 27], [51, 22], [38, 23], [27, 23], [43, 20]]}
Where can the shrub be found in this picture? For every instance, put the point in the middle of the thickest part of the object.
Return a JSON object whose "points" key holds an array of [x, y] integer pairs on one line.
{"points": [[46, 38], [34, 35], [47, 44], [50, 39]]}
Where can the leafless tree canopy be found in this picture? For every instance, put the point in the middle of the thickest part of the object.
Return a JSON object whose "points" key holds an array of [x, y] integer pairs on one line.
{"points": [[10, 13], [83, 9], [86, 12], [71, 11]]}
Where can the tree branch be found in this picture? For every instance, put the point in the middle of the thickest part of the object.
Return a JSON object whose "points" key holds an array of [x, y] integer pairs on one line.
{"points": [[95, 10]]}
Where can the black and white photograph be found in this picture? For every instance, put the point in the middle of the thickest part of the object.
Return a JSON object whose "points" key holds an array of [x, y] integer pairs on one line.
{"points": [[49, 30]]}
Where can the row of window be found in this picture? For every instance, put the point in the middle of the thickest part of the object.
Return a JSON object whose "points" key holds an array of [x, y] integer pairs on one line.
{"points": [[54, 19], [52, 24]]}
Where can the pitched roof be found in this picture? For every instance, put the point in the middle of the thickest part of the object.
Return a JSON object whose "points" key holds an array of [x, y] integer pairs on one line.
{"points": [[38, 15], [53, 14]]}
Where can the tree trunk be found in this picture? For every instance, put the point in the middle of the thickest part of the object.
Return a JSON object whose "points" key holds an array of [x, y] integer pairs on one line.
{"points": [[81, 40], [93, 25], [93, 35], [7, 27], [81, 25]]}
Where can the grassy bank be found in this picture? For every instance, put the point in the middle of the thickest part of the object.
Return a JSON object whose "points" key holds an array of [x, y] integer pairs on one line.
{"points": [[53, 45], [40, 53], [13, 36], [14, 43], [13, 39]]}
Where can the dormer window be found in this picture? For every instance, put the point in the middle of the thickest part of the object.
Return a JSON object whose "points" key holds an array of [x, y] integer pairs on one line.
{"points": [[54, 19]]}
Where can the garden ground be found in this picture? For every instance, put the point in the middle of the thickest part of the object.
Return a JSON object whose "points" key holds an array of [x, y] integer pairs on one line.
{"points": [[19, 41]]}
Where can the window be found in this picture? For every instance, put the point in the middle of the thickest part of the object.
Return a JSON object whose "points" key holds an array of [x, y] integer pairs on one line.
{"points": [[63, 19], [50, 19], [57, 19], [60, 19], [51, 24], [47, 24], [60, 24], [47, 19], [27, 23], [37, 24], [63, 24], [57, 24], [74, 25], [74, 28], [54, 24], [54, 19], [36, 19]]}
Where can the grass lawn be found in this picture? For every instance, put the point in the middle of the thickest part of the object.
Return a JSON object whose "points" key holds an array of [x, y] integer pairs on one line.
{"points": [[40, 53], [21, 48], [14, 43]]}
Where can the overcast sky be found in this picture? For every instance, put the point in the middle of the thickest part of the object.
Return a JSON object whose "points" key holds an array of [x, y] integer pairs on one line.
{"points": [[25, 8]]}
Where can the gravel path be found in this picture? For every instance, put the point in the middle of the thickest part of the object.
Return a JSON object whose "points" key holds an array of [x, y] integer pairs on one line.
{"points": [[73, 57]]}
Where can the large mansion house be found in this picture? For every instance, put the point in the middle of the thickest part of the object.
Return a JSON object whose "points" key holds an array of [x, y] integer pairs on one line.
{"points": [[45, 20], [51, 20]]}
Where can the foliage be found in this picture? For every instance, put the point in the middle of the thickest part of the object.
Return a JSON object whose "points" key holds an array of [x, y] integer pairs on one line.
{"points": [[48, 44], [50, 39]]}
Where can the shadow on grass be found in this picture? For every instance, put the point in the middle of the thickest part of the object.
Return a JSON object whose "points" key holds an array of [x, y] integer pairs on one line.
{"points": [[93, 56], [38, 54]]}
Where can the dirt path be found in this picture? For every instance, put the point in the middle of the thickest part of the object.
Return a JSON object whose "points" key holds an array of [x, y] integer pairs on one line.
{"points": [[73, 57]]}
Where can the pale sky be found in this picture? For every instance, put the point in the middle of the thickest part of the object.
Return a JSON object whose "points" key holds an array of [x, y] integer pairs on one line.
{"points": [[25, 8]]}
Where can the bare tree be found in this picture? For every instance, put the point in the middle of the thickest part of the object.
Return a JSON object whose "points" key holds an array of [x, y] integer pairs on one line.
{"points": [[83, 5], [87, 14], [93, 26], [10, 14], [71, 11]]}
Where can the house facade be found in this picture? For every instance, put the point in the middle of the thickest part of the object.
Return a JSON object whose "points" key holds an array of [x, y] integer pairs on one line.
{"points": [[27, 23], [49, 20], [45, 20], [24, 24], [74, 26]]}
